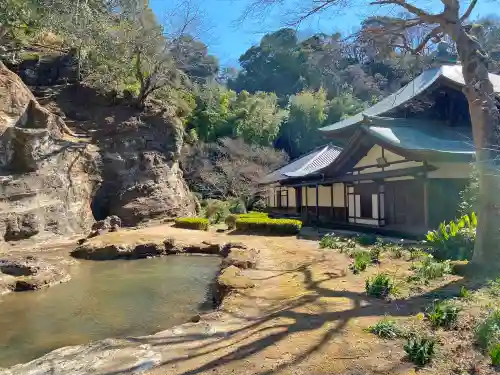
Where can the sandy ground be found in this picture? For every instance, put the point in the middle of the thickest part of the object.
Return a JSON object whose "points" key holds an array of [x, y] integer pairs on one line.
{"points": [[306, 315]]}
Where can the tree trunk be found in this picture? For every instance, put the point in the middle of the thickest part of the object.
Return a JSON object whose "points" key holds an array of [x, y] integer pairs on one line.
{"points": [[485, 118]]}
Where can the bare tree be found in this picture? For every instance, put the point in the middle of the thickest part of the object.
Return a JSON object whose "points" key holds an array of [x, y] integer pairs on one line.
{"points": [[228, 169], [153, 45], [452, 22]]}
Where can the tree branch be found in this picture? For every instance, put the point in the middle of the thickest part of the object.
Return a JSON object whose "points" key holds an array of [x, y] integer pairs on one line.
{"points": [[469, 10], [433, 34], [427, 17]]}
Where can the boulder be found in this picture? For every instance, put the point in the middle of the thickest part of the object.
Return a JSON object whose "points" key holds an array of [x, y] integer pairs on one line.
{"points": [[110, 224], [96, 250], [28, 273]]}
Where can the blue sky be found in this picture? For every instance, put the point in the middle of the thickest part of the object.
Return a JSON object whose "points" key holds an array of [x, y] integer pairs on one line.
{"points": [[228, 39]]}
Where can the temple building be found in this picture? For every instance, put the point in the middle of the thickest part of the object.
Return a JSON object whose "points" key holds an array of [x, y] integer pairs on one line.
{"points": [[398, 166]]}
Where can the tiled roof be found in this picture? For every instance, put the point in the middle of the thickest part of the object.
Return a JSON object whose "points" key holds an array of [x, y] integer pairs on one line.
{"points": [[417, 86], [421, 136], [306, 165]]}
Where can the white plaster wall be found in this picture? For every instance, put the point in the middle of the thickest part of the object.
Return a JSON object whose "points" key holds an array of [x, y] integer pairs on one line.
{"points": [[404, 165], [311, 196], [371, 157], [291, 197], [392, 157], [324, 196], [338, 195], [451, 170]]}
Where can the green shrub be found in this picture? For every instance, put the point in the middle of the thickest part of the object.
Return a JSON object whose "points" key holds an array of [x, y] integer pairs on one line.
{"points": [[267, 225], [251, 214], [328, 242], [430, 269], [494, 287], [237, 206], [380, 286], [464, 293], [387, 329], [396, 251], [488, 331], [231, 219], [443, 314], [29, 56], [495, 355], [361, 261], [416, 253], [192, 223], [216, 211], [454, 240], [420, 350], [366, 239], [375, 254]]}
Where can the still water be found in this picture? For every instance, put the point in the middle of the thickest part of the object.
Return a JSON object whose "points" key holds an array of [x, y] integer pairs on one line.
{"points": [[104, 299]]}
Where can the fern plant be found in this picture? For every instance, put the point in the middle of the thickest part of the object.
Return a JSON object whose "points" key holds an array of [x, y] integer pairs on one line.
{"points": [[454, 240]]}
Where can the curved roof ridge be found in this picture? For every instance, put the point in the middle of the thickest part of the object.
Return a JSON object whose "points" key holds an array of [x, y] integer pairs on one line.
{"points": [[408, 92]]}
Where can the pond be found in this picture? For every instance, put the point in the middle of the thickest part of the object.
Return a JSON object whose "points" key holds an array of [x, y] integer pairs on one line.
{"points": [[105, 299]]}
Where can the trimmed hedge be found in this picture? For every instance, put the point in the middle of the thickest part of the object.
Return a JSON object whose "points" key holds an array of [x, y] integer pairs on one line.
{"points": [[192, 223], [231, 219], [266, 225]]}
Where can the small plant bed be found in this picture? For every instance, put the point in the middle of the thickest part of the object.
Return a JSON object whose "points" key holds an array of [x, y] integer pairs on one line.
{"points": [[198, 223], [430, 269], [341, 244]]}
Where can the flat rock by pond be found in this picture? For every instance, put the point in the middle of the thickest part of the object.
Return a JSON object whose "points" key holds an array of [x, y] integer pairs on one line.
{"points": [[94, 249], [28, 273], [110, 356]]}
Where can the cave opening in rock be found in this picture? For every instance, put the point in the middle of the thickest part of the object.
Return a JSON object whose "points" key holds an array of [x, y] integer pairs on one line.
{"points": [[100, 204]]}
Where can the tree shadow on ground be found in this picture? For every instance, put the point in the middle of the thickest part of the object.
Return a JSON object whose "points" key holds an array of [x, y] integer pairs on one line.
{"points": [[260, 334]]}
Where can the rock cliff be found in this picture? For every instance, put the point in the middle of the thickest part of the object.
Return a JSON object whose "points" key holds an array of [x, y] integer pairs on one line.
{"points": [[46, 174], [53, 181], [141, 175]]}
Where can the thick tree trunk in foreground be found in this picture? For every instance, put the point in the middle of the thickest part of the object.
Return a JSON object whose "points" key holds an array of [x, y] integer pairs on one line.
{"points": [[485, 119]]}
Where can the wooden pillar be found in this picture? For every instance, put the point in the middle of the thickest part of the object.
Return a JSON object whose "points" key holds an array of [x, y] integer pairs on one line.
{"points": [[317, 201], [331, 202], [426, 203], [307, 203]]}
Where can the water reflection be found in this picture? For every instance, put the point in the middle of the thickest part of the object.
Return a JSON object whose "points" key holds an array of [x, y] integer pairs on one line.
{"points": [[103, 299]]}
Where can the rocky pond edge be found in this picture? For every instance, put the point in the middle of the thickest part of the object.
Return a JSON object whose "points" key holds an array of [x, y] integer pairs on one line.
{"points": [[128, 353]]}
